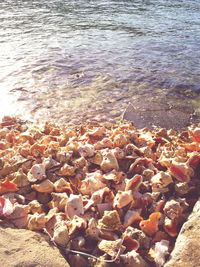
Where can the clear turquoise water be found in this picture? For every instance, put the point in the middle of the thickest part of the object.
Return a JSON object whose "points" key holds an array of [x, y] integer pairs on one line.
{"points": [[61, 58]]}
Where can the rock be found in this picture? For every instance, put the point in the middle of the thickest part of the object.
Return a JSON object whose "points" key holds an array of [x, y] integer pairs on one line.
{"points": [[186, 252], [24, 248], [159, 112]]}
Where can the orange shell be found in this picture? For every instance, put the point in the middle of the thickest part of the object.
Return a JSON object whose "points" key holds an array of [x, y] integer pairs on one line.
{"points": [[150, 226]]}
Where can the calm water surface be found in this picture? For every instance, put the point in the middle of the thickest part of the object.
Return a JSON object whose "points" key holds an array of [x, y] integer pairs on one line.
{"points": [[73, 60]]}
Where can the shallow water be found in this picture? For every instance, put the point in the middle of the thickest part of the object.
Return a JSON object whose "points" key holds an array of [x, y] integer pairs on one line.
{"points": [[75, 60]]}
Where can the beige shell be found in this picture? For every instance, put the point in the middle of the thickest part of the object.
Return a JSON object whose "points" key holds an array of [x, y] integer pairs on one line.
{"points": [[67, 170], [62, 185], [112, 248], [131, 216], [76, 224], [59, 200], [74, 206], [97, 133], [120, 140], [36, 221], [110, 221], [92, 231], [133, 259], [36, 173], [173, 209], [91, 183], [86, 150], [109, 162], [122, 198], [20, 179], [97, 158], [35, 206], [61, 235], [104, 143], [80, 162], [45, 186], [19, 216], [160, 181]]}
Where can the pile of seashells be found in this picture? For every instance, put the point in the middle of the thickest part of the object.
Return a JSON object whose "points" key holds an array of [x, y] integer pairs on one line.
{"points": [[106, 195]]}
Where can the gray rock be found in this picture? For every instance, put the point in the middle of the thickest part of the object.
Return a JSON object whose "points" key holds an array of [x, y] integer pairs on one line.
{"points": [[24, 248], [186, 252]]}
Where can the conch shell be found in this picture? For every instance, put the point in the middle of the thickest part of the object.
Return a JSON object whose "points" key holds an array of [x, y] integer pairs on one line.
{"points": [[36, 173], [160, 181], [86, 150], [91, 183], [45, 186], [59, 201], [131, 216], [173, 209], [77, 223], [122, 199], [109, 162], [150, 226], [181, 171], [6, 207], [61, 235], [62, 186], [133, 259], [74, 206], [110, 221], [36, 221], [111, 247], [19, 216], [7, 186], [67, 170], [35, 206]]}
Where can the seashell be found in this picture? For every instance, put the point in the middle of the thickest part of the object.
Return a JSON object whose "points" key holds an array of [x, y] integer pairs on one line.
{"points": [[61, 235], [133, 259], [36, 173], [145, 139], [120, 140], [161, 250], [19, 216], [195, 134], [122, 199], [7, 186], [96, 159], [21, 179], [91, 183], [160, 181], [194, 160], [59, 201], [37, 150], [139, 165], [112, 248], [118, 152], [74, 206], [181, 171], [104, 143], [150, 226], [110, 221], [35, 207], [131, 216], [86, 150], [109, 162], [67, 170], [92, 230], [170, 227], [76, 224], [134, 183], [103, 207], [137, 234], [45, 186], [36, 221], [50, 163], [63, 156], [182, 188], [130, 244], [6, 207], [97, 133], [99, 195], [62, 186], [173, 209], [80, 162]]}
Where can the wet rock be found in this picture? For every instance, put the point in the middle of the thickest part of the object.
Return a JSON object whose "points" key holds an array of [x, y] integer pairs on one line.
{"points": [[159, 112], [23, 248], [186, 252]]}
